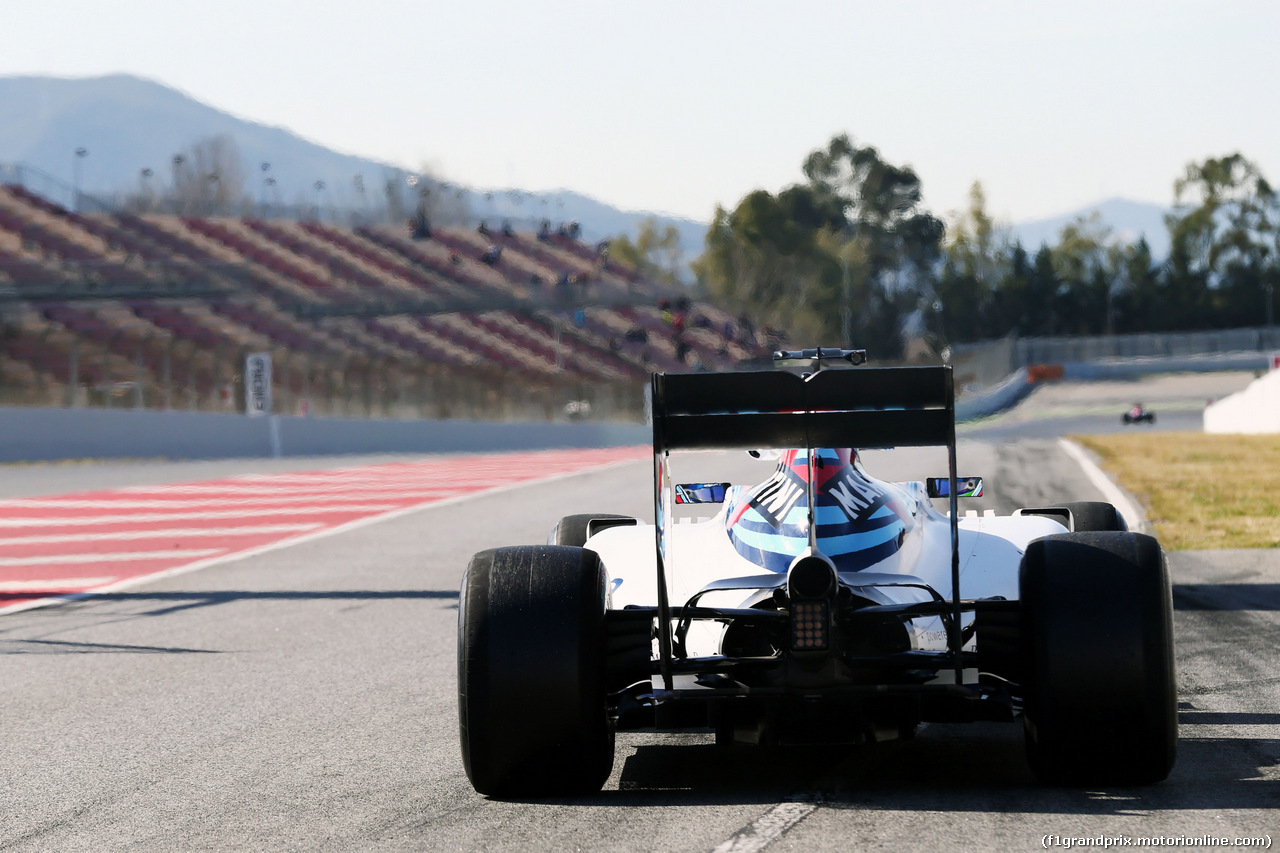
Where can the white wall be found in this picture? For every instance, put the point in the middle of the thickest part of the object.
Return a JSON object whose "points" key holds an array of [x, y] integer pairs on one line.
{"points": [[29, 434], [1256, 409]]}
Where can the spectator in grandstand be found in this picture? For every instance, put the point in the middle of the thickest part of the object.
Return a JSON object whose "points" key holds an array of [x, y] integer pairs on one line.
{"points": [[580, 318], [455, 258], [602, 249], [483, 228], [563, 280], [637, 335], [682, 350], [774, 337], [615, 345], [492, 255], [667, 316], [574, 230], [544, 230], [421, 228], [727, 330], [507, 230], [701, 321]]}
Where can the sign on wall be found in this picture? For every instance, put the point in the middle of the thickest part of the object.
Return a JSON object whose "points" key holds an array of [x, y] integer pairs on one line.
{"points": [[257, 384]]}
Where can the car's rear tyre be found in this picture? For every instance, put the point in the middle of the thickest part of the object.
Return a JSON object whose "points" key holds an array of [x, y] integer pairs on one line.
{"points": [[531, 672], [1099, 691], [572, 529], [1095, 515]]}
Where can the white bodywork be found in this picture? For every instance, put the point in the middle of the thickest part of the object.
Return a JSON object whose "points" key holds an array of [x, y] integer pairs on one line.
{"points": [[700, 552]]}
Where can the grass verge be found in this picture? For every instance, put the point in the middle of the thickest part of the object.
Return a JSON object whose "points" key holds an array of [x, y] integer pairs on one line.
{"points": [[1199, 490]]}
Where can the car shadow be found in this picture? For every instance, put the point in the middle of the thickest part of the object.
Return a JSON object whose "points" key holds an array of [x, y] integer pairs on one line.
{"points": [[953, 768], [174, 601], [1226, 596]]}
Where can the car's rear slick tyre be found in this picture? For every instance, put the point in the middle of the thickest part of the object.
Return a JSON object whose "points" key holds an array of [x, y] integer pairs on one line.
{"points": [[531, 672], [1099, 690], [1095, 515], [572, 529]]}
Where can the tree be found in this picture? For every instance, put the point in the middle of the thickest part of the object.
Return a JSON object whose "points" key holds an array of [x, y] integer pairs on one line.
{"points": [[844, 256], [209, 177], [1225, 236], [976, 259], [1086, 261], [655, 253]]}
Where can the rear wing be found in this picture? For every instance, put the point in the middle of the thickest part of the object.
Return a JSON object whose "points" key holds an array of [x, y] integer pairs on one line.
{"points": [[864, 407]]}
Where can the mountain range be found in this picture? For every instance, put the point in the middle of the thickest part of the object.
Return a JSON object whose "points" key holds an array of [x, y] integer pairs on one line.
{"points": [[126, 124]]}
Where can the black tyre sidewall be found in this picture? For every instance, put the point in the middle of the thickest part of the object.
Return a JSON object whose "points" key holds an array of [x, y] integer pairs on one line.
{"points": [[531, 670], [1100, 702], [1095, 516], [572, 529]]}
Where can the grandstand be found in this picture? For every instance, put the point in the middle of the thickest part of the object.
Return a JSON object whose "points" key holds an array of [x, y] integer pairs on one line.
{"points": [[120, 309]]}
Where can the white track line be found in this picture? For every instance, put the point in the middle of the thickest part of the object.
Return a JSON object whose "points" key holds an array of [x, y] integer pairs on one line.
{"points": [[766, 829], [121, 557], [1113, 493], [59, 583], [307, 537], [319, 501], [247, 512], [415, 487], [160, 533]]}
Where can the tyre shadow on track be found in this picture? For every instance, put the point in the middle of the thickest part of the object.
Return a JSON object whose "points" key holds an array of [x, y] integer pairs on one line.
{"points": [[173, 602], [63, 647], [1226, 596], [986, 775], [948, 768]]}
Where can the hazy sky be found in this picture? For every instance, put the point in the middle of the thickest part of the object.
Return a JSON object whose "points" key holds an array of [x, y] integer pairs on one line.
{"points": [[678, 106]]}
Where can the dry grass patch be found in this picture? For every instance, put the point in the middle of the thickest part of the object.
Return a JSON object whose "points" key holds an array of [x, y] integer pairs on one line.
{"points": [[1199, 490]]}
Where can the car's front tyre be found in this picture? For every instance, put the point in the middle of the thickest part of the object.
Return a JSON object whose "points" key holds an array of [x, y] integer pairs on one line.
{"points": [[1089, 516], [1100, 695], [531, 672], [573, 529]]}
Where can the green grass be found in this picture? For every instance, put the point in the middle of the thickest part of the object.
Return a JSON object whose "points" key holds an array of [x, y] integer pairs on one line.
{"points": [[1199, 490]]}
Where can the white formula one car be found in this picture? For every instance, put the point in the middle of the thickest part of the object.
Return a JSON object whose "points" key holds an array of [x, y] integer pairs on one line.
{"points": [[820, 605]]}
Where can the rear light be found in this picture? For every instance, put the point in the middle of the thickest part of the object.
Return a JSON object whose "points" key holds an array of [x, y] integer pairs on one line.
{"points": [[811, 587], [810, 625]]}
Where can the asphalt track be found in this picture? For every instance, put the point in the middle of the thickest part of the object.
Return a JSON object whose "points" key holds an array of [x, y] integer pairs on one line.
{"points": [[304, 698]]}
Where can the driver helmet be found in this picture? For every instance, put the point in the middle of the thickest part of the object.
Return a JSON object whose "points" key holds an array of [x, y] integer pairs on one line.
{"points": [[861, 521]]}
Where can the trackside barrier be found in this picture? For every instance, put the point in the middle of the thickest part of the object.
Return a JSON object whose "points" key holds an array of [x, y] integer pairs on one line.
{"points": [[1129, 367], [30, 434], [1022, 381], [1008, 393]]}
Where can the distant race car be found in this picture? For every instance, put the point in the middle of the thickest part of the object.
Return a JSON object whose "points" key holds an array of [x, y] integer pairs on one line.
{"points": [[1137, 414], [822, 604]]}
